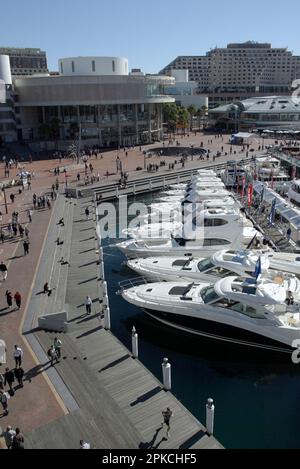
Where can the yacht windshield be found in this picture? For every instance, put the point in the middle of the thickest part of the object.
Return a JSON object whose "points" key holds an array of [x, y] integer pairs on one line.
{"points": [[208, 295], [205, 265]]}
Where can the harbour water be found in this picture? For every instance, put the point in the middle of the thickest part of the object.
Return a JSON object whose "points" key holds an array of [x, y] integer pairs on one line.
{"points": [[256, 394]]}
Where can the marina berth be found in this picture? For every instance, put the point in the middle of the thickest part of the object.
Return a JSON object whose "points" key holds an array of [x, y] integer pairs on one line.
{"points": [[244, 311]]}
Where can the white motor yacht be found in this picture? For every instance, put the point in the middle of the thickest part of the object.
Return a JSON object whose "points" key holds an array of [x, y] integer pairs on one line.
{"points": [[294, 192], [220, 265], [235, 310]]}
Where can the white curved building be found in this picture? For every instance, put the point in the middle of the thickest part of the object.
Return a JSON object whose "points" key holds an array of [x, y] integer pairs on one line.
{"points": [[93, 66], [5, 73], [94, 95]]}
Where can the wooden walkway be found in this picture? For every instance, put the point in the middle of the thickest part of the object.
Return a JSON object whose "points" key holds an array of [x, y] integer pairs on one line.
{"points": [[118, 401]]}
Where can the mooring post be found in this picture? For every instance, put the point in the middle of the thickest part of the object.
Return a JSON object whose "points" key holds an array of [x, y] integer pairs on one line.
{"points": [[210, 415], [107, 325], [166, 371], [135, 345]]}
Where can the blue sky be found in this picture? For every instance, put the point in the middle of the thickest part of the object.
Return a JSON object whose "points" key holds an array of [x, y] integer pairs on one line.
{"points": [[149, 33]]}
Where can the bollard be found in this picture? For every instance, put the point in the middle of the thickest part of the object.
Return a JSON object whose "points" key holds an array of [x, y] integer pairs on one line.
{"points": [[117, 192], [105, 301], [103, 291], [166, 370], [164, 182], [135, 344], [178, 179], [101, 254], [134, 190], [101, 270], [150, 185], [210, 415], [107, 325]]}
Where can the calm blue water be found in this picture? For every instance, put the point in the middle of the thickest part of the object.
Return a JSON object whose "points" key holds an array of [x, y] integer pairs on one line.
{"points": [[257, 397]]}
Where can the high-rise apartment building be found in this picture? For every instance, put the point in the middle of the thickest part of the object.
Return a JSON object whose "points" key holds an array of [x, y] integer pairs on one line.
{"points": [[240, 71], [25, 62]]}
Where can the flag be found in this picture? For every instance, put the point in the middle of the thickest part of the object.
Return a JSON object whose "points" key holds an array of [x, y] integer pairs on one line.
{"points": [[250, 194], [243, 185], [262, 195], [257, 272], [273, 212]]}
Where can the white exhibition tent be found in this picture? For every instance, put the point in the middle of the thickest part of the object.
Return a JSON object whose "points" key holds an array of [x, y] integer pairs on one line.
{"points": [[283, 207]]}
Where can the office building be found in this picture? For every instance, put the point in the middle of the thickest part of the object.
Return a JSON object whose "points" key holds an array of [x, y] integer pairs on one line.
{"points": [[240, 71], [25, 61]]}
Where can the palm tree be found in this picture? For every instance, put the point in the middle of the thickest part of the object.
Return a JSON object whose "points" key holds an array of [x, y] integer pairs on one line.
{"points": [[192, 112], [170, 116], [44, 132], [183, 117]]}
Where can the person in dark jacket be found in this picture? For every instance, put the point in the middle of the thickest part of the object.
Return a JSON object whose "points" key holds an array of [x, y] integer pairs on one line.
{"points": [[9, 378], [8, 298], [18, 441], [18, 299], [19, 374]]}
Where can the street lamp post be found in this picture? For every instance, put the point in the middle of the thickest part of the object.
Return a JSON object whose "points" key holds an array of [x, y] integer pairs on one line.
{"points": [[5, 202]]}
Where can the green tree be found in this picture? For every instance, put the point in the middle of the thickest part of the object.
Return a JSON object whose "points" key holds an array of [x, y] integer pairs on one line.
{"points": [[44, 132], [55, 128], [74, 129], [183, 117], [170, 116], [192, 112]]}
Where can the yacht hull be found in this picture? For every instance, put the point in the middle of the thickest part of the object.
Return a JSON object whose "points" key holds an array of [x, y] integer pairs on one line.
{"points": [[224, 333]]}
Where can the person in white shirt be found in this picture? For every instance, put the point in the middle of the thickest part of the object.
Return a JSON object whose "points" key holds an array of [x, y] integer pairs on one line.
{"points": [[88, 305], [18, 354], [9, 436], [84, 445]]}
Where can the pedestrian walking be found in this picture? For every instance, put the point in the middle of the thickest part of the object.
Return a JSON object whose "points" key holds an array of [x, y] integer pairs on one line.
{"points": [[47, 289], [84, 445], [26, 231], [9, 435], [9, 299], [88, 305], [18, 299], [167, 415], [87, 212], [289, 234], [18, 441], [52, 353], [19, 374], [18, 354], [3, 271], [2, 236], [26, 246], [21, 230], [9, 378], [57, 346], [1, 382], [4, 396], [12, 198], [29, 213]]}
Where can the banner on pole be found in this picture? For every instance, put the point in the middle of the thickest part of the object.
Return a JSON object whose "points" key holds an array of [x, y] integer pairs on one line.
{"points": [[250, 194]]}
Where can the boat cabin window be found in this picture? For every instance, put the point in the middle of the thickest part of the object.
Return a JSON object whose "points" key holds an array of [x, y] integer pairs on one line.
{"points": [[209, 295], [247, 311], [205, 265], [180, 263], [215, 242], [246, 288], [209, 222], [180, 290], [296, 188]]}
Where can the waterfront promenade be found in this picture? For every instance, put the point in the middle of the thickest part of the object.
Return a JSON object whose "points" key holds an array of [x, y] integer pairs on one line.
{"points": [[27, 407], [112, 400]]}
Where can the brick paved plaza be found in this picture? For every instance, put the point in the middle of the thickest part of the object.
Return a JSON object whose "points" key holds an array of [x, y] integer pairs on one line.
{"points": [[37, 403]]}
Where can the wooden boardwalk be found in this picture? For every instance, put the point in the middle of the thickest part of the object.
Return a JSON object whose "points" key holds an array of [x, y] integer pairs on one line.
{"points": [[118, 401]]}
